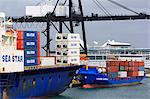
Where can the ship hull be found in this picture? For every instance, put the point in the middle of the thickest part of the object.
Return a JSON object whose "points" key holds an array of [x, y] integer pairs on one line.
{"points": [[92, 79], [34, 83]]}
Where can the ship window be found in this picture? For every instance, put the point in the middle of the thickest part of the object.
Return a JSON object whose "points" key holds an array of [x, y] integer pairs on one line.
{"points": [[98, 57], [91, 57], [104, 57]]}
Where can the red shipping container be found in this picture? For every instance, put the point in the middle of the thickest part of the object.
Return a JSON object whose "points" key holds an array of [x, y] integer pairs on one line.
{"points": [[132, 68], [136, 63], [112, 69], [126, 68], [20, 44], [39, 61], [20, 34], [126, 63], [39, 47], [141, 63], [108, 63], [122, 63]]}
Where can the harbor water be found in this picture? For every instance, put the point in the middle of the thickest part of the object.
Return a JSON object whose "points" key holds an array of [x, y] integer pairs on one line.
{"points": [[141, 91]]}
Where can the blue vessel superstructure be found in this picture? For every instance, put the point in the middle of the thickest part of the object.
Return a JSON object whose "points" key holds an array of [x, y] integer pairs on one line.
{"points": [[96, 79], [34, 83]]}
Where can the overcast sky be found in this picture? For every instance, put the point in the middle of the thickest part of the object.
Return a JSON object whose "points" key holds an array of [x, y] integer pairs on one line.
{"points": [[135, 32]]}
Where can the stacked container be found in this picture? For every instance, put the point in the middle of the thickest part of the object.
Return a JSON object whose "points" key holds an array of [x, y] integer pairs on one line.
{"points": [[68, 49], [112, 69], [136, 68], [124, 69], [29, 41]]}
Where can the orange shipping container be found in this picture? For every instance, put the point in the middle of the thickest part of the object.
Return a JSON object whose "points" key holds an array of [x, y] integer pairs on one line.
{"points": [[136, 63], [133, 74], [112, 69], [141, 63]]}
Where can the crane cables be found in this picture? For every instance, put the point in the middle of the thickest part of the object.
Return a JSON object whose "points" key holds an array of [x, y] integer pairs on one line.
{"points": [[122, 6], [101, 7]]}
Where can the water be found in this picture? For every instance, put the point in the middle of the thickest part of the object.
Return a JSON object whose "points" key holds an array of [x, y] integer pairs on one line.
{"points": [[141, 91]]}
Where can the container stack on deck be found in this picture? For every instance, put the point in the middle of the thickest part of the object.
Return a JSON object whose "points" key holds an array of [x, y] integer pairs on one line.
{"points": [[124, 69], [68, 49], [29, 41]]}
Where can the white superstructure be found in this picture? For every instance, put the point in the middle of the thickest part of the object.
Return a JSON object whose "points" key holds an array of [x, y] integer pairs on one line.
{"points": [[116, 50], [11, 60]]}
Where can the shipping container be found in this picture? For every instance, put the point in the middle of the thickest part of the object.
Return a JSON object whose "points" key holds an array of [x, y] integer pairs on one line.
{"points": [[72, 52], [141, 68], [132, 73], [121, 68], [20, 34], [133, 68], [71, 45], [112, 68], [30, 44], [48, 61], [31, 61], [20, 44], [30, 53], [30, 35], [113, 75], [58, 37], [39, 45], [141, 73], [141, 63], [122, 74]]}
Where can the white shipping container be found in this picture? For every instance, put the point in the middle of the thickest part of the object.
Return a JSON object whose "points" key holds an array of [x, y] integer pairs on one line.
{"points": [[70, 37], [58, 59], [47, 61], [147, 63], [122, 74], [58, 37], [11, 61], [140, 73], [73, 52], [71, 45], [74, 60], [59, 45]]}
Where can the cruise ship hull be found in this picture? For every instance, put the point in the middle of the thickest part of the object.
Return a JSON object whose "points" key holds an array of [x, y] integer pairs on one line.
{"points": [[34, 83]]}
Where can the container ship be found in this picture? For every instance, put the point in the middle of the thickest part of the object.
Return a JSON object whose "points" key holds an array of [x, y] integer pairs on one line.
{"points": [[112, 64], [24, 73]]}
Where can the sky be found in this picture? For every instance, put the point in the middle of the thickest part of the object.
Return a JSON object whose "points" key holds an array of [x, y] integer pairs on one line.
{"points": [[136, 32]]}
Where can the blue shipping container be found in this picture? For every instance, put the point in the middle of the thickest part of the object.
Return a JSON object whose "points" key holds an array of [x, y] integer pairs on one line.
{"points": [[30, 35], [141, 68], [30, 53], [31, 61], [30, 44], [113, 75]]}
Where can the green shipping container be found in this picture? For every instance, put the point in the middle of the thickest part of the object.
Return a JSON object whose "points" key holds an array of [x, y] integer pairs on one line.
{"points": [[122, 68]]}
